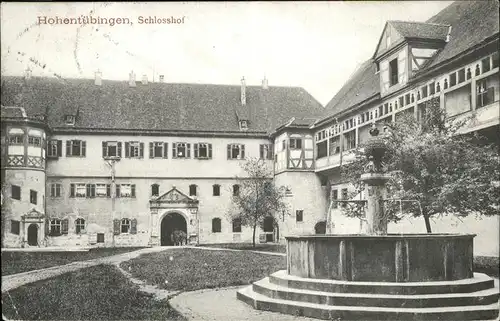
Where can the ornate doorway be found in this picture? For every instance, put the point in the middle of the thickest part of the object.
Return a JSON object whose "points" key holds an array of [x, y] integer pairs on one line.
{"points": [[33, 235], [171, 222]]}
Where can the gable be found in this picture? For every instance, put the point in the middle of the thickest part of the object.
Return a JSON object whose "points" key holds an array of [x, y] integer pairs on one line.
{"points": [[175, 196], [389, 37]]}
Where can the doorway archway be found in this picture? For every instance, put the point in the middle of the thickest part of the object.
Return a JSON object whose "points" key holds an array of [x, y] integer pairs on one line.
{"points": [[33, 234], [171, 222]]}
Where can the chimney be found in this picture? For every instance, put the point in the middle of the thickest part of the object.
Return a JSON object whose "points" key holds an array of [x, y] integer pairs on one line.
{"points": [[131, 79], [162, 77], [264, 83], [27, 73], [98, 78], [243, 92], [144, 79]]}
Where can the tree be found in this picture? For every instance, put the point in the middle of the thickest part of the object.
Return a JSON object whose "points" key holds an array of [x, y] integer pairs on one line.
{"points": [[435, 169], [258, 197]]}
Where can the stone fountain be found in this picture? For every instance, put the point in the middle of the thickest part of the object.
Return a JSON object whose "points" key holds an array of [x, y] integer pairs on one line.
{"points": [[377, 276]]}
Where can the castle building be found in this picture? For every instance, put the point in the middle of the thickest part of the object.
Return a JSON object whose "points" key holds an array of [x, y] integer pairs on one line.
{"points": [[109, 163]]}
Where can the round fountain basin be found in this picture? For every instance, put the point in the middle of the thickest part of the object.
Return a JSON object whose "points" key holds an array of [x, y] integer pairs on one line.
{"points": [[381, 258]]}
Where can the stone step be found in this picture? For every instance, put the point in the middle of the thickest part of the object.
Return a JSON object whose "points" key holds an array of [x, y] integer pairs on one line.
{"points": [[482, 297], [354, 312], [479, 282]]}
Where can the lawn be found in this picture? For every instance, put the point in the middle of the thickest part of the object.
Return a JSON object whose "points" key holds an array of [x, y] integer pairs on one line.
{"points": [[96, 293], [17, 262], [193, 269], [265, 247]]}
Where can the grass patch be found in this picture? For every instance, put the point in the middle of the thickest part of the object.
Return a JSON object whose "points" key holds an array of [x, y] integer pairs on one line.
{"points": [[96, 293], [266, 247], [18, 262], [193, 269]]}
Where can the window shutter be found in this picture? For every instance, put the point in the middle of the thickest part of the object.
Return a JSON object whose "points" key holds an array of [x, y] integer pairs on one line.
{"points": [[127, 149], [132, 190], [64, 226], [133, 226], [117, 190], [165, 150], [47, 227], [242, 151], [196, 155], [229, 151], [174, 150], [209, 150], [68, 148], [104, 149], [119, 152], [92, 190], [141, 150], [116, 227], [108, 190], [188, 150], [84, 148], [59, 148], [71, 190], [151, 150], [88, 190], [261, 151]]}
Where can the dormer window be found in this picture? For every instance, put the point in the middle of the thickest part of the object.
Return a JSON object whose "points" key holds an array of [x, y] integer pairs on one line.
{"points": [[243, 125], [69, 119], [393, 71]]}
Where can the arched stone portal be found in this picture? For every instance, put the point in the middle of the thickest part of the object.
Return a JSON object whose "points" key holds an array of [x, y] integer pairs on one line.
{"points": [[171, 222], [33, 235]]}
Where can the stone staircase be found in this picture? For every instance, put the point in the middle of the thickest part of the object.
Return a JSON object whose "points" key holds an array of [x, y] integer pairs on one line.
{"points": [[468, 299]]}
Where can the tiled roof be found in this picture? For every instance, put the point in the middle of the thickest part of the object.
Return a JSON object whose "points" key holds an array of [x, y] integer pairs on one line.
{"points": [[472, 22], [420, 30], [158, 106]]}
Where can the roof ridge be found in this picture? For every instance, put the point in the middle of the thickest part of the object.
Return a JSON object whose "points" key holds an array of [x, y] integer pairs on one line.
{"points": [[420, 22]]}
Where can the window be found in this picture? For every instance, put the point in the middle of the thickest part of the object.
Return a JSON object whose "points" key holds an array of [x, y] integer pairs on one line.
{"points": [[111, 149], [393, 71], [34, 141], [155, 190], [407, 99], [335, 197], [55, 190], [100, 237], [461, 75], [33, 196], [237, 225], [125, 190], [78, 190], [350, 140], [158, 150], [432, 88], [15, 227], [266, 151], [15, 192], [16, 139], [424, 91], [125, 225], [453, 79], [203, 151], [243, 125], [380, 111], [299, 215], [79, 225], [235, 151], [69, 119], [181, 150], [102, 190], [54, 148], [401, 101], [236, 190], [485, 63], [216, 190], [283, 145], [216, 225], [321, 149], [268, 224], [335, 145], [344, 196], [192, 190], [295, 143], [495, 60], [485, 95], [75, 148], [134, 150], [55, 227]]}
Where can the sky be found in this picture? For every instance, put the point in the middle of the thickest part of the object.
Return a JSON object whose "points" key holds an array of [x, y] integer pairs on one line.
{"points": [[314, 45]]}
